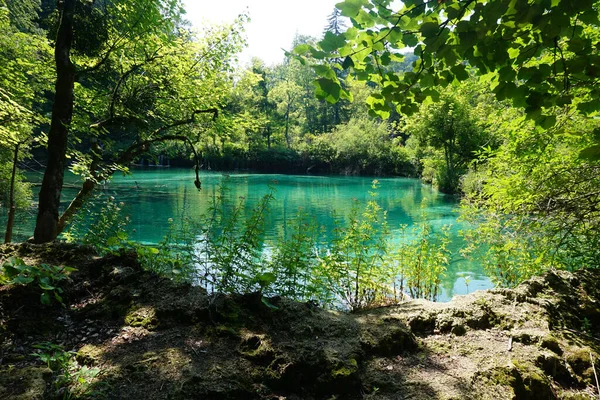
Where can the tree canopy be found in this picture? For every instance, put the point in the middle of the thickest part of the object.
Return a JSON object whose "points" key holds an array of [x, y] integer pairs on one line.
{"points": [[539, 54]]}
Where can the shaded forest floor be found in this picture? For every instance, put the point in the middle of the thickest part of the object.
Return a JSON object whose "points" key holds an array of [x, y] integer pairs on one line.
{"points": [[155, 339]]}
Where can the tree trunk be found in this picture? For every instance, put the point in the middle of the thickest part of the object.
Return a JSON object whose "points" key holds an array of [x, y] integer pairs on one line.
{"points": [[46, 228], [287, 127], [76, 204], [11, 198]]}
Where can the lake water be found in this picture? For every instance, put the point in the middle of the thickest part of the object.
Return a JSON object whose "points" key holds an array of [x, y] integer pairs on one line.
{"points": [[152, 196]]}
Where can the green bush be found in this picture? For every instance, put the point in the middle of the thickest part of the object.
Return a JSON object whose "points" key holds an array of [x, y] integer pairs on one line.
{"points": [[105, 229], [23, 193], [71, 380], [46, 277]]}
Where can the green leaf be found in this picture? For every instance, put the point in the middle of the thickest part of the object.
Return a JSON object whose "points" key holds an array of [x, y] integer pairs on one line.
{"points": [[350, 8], [267, 303], [410, 39], [505, 90], [58, 297], [46, 286], [301, 49], [547, 121], [22, 280], [332, 42], [45, 298], [460, 72], [429, 29], [325, 71], [348, 63], [328, 89], [591, 153]]}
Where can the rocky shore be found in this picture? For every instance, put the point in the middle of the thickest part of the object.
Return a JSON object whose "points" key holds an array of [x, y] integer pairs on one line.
{"points": [[146, 337]]}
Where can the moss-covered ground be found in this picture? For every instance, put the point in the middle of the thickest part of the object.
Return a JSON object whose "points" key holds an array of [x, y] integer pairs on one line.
{"points": [[151, 338]]}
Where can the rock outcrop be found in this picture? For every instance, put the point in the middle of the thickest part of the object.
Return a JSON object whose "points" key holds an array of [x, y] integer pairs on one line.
{"points": [[152, 338]]}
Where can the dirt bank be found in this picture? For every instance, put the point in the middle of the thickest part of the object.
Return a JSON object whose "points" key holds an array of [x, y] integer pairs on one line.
{"points": [[153, 339]]}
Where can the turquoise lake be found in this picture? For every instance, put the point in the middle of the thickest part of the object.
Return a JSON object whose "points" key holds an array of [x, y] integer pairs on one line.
{"points": [[152, 196]]}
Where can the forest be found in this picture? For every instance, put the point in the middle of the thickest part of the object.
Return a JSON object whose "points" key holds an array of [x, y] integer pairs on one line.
{"points": [[494, 103]]}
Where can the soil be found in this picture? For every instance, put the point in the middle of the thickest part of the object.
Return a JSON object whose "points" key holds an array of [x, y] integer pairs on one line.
{"points": [[152, 338]]}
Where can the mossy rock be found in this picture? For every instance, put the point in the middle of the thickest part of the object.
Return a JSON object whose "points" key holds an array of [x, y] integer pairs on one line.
{"points": [[256, 348], [24, 384], [458, 329], [224, 331], [388, 340], [579, 360], [422, 324], [522, 380], [555, 367], [532, 384], [551, 343], [89, 355], [345, 370], [144, 317]]}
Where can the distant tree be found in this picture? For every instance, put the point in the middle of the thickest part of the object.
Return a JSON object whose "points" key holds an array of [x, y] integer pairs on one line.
{"points": [[335, 23], [265, 106], [23, 14]]}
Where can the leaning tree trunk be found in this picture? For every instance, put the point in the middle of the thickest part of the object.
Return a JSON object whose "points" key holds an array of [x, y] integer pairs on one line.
{"points": [[46, 228], [76, 204]]}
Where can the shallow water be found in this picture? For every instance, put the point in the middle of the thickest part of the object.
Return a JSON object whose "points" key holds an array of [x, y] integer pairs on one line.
{"points": [[152, 196]]}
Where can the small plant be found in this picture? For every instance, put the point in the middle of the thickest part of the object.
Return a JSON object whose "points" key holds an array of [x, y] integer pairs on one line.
{"points": [[105, 229], [175, 255], [354, 268], [71, 380], [230, 247], [587, 326], [225, 252], [294, 258], [422, 260], [16, 272], [467, 279]]}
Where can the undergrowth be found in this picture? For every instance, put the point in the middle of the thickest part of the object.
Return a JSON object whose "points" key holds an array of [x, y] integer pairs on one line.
{"points": [[225, 251]]}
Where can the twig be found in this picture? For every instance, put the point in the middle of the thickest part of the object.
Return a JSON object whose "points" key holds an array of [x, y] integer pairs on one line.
{"points": [[595, 375]]}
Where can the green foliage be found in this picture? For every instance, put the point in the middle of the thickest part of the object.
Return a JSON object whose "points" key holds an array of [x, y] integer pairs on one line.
{"points": [[45, 277], [421, 259], [225, 252], [222, 253], [231, 243], [533, 201], [23, 14], [353, 268], [105, 229], [71, 380], [531, 52], [445, 136], [23, 192], [294, 257], [175, 255], [24, 75], [361, 146]]}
